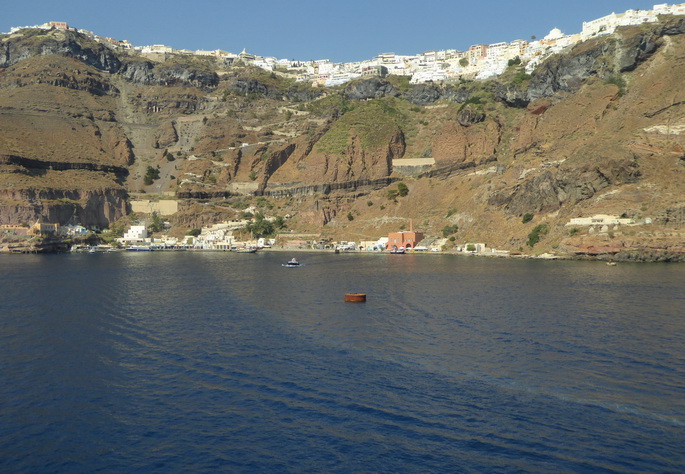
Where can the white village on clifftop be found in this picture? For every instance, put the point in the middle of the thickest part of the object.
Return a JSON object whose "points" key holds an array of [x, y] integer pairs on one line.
{"points": [[480, 61]]}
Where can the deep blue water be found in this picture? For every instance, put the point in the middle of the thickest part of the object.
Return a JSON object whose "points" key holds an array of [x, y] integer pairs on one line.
{"points": [[205, 362]]}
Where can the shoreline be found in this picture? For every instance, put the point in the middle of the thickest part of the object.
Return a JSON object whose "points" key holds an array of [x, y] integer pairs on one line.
{"points": [[647, 255]]}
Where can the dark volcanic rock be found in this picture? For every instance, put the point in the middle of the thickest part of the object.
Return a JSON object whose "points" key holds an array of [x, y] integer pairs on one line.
{"points": [[34, 164], [63, 43], [512, 96], [372, 88], [186, 75], [567, 72], [469, 116], [548, 191], [459, 95], [303, 94], [254, 87], [423, 94], [638, 48], [600, 57], [419, 94], [635, 50], [144, 72], [251, 86], [140, 72]]}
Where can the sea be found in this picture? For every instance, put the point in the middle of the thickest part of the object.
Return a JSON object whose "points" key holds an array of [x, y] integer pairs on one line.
{"points": [[226, 362]]}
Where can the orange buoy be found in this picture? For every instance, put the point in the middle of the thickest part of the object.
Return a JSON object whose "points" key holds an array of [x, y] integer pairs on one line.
{"points": [[355, 297]]}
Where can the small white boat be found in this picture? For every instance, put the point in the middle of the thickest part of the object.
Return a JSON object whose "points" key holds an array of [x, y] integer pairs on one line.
{"points": [[292, 263], [102, 248], [139, 248]]}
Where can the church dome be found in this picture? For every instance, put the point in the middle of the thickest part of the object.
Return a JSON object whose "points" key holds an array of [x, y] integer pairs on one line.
{"points": [[554, 34]]}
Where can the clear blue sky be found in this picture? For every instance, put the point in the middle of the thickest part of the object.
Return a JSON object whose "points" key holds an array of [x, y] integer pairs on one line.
{"points": [[342, 31]]}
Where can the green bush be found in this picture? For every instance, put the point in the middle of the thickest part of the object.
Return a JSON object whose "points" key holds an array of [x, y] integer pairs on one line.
{"points": [[537, 233], [157, 224], [449, 229], [473, 100], [514, 62], [618, 81], [150, 175], [262, 227], [527, 218], [519, 77], [263, 202]]}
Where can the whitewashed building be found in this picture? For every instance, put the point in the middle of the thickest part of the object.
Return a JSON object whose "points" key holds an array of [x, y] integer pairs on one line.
{"points": [[600, 219], [341, 78], [608, 24], [135, 233]]}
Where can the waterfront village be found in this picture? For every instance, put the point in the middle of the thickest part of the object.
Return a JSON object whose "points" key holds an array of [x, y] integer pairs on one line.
{"points": [[480, 61], [236, 236]]}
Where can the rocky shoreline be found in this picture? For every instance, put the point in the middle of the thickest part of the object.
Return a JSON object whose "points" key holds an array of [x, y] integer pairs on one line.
{"points": [[632, 255]]}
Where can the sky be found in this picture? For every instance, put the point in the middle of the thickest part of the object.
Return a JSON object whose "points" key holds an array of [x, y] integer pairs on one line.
{"points": [[341, 31]]}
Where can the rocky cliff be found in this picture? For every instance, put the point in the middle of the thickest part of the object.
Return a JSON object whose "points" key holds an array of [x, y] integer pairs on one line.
{"points": [[595, 130]]}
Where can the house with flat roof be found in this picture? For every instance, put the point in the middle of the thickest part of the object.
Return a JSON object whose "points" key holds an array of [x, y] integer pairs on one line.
{"points": [[404, 239]]}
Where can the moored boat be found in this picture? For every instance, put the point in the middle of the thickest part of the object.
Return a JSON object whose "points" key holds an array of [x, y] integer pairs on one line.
{"points": [[80, 248], [246, 250], [355, 297], [139, 248]]}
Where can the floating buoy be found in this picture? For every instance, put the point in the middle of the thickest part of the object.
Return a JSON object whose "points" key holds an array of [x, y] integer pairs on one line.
{"points": [[355, 297]]}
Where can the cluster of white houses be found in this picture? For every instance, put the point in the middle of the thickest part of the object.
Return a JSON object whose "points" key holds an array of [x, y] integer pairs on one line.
{"points": [[231, 235], [480, 61]]}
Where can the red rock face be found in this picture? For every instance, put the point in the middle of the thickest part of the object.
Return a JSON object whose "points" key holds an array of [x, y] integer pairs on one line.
{"points": [[457, 144], [306, 166]]}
